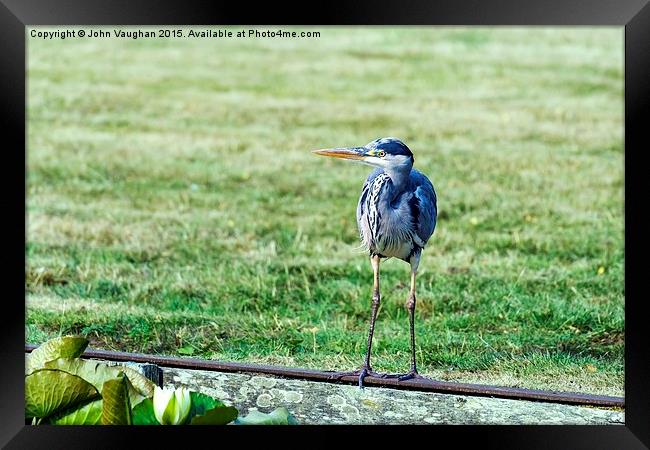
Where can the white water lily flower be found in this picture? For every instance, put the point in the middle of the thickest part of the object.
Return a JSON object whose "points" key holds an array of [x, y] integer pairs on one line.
{"points": [[171, 407]]}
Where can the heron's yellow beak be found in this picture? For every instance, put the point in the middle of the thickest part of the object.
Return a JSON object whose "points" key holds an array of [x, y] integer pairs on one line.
{"points": [[357, 153]]}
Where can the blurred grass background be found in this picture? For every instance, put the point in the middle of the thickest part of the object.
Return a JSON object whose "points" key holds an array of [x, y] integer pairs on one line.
{"points": [[174, 206]]}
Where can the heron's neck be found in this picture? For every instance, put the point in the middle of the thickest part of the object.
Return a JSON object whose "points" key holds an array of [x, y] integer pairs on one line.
{"points": [[400, 177]]}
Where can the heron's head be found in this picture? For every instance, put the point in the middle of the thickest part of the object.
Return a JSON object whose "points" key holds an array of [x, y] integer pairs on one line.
{"points": [[388, 153]]}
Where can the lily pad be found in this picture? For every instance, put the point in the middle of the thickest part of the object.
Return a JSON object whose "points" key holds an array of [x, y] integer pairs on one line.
{"points": [[143, 413], [141, 383], [89, 414], [221, 415], [48, 391], [98, 373], [116, 409], [279, 416], [202, 403], [62, 347]]}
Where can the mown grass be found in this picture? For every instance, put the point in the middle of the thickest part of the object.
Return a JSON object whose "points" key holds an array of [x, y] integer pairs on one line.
{"points": [[174, 206]]}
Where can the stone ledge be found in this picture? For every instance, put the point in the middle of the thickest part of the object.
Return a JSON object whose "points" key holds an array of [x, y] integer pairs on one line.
{"points": [[326, 403]]}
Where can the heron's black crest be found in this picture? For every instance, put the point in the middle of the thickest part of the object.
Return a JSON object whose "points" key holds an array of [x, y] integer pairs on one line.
{"points": [[392, 146]]}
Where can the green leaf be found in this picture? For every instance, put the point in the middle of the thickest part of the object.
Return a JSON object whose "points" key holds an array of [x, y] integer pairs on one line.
{"points": [[48, 391], [141, 383], [98, 373], [201, 404], [117, 408], [62, 347], [279, 416], [221, 415], [187, 350], [143, 413], [89, 414]]}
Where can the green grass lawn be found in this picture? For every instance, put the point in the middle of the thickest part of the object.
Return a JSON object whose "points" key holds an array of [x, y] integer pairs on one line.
{"points": [[174, 206]]}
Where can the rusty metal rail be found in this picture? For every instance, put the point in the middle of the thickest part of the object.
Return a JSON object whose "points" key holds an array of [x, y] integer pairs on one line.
{"points": [[334, 377]]}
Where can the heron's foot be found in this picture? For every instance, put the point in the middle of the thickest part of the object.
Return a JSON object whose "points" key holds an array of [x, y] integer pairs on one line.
{"points": [[362, 373], [413, 374]]}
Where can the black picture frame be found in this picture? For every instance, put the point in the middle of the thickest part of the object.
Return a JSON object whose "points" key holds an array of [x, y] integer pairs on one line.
{"points": [[633, 15]]}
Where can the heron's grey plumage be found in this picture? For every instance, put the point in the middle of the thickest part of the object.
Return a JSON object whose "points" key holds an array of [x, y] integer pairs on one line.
{"points": [[396, 222]]}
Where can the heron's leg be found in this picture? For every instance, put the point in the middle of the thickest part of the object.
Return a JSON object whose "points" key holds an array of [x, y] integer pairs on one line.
{"points": [[410, 305], [376, 299]]}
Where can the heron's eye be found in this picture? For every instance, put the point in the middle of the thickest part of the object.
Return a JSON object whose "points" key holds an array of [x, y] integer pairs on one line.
{"points": [[381, 154]]}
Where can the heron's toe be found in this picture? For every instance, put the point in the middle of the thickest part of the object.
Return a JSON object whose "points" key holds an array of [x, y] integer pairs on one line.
{"points": [[409, 376], [362, 375]]}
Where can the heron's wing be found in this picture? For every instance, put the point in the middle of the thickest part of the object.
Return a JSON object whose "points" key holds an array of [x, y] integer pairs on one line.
{"points": [[424, 205], [364, 193]]}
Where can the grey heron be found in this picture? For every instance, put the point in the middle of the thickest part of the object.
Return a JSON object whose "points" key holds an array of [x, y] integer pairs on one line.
{"points": [[396, 216]]}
